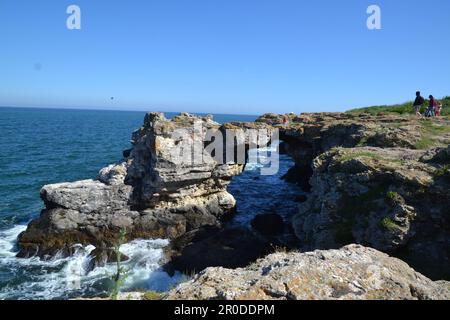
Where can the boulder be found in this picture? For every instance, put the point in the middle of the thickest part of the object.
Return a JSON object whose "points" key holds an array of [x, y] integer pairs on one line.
{"points": [[157, 191], [101, 256], [351, 273]]}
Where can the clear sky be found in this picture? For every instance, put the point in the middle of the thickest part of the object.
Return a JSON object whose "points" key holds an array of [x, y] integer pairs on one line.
{"points": [[222, 56]]}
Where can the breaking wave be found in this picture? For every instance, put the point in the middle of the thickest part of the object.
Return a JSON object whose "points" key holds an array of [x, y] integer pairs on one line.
{"points": [[69, 277]]}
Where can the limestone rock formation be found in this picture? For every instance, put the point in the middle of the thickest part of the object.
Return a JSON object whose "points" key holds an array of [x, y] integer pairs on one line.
{"points": [[378, 181], [159, 190], [353, 272]]}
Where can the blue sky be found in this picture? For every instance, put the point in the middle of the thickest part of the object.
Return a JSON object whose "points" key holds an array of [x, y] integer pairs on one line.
{"points": [[222, 56]]}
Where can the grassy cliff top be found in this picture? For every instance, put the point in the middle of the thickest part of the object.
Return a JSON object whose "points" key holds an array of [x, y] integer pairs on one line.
{"points": [[405, 108]]}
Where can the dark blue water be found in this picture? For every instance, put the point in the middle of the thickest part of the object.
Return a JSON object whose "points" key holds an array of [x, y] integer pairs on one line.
{"points": [[43, 146]]}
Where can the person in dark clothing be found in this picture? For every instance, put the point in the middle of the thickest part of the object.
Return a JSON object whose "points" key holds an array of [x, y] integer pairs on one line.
{"points": [[431, 111], [418, 102]]}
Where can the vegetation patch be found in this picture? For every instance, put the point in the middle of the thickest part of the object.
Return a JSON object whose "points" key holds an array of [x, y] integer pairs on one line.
{"points": [[359, 154], [404, 108], [434, 128], [443, 172], [152, 295], [392, 197], [424, 143], [363, 142], [388, 224], [430, 132], [121, 273], [386, 163]]}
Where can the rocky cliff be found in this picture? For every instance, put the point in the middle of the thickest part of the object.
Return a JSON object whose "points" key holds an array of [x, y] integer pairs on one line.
{"points": [[379, 181], [351, 273], [157, 190]]}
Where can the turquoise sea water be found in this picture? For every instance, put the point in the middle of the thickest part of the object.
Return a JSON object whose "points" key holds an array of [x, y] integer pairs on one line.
{"points": [[43, 146]]}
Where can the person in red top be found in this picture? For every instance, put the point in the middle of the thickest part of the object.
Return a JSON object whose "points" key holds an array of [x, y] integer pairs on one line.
{"points": [[435, 106], [430, 110]]}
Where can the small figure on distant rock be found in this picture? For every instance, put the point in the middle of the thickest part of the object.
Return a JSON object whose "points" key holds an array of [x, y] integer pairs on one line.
{"points": [[431, 110], [418, 103], [285, 121], [438, 108]]}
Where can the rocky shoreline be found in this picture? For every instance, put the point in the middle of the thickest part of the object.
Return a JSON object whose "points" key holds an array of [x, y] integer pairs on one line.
{"points": [[149, 193], [377, 181], [351, 273]]}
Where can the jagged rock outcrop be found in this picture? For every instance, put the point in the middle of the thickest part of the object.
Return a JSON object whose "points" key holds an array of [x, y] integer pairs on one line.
{"points": [[383, 198], [159, 190], [374, 180], [353, 272], [310, 134], [388, 199]]}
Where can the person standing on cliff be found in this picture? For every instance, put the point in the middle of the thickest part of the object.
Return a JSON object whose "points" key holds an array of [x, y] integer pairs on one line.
{"points": [[285, 121], [418, 103], [431, 110], [437, 108]]}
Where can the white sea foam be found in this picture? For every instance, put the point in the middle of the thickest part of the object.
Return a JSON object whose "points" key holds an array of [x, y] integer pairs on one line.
{"points": [[8, 240], [70, 276], [261, 157]]}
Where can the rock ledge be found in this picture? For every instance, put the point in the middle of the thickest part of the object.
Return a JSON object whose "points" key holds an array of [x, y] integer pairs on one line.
{"points": [[351, 273]]}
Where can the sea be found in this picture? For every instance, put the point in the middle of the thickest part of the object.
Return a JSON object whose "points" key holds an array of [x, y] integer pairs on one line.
{"points": [[45, 146]]}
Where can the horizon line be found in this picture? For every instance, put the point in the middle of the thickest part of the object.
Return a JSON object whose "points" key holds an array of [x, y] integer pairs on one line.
{"points": [[123, 110]]}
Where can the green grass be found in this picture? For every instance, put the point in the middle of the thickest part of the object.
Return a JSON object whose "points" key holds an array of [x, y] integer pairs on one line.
{"points": [[363, 142], [392, 195], [430, 132], [367, 154], [152, 295], [424, 143], [434, 128], [359, 154], [404, 108], [443, 172], [388, 224]]}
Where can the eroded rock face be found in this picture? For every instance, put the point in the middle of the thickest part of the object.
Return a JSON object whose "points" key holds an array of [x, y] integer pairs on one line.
{"points": [[308, 135], [388, 199], [353, 272], [354, 192], [379, 181], [157, 191]]}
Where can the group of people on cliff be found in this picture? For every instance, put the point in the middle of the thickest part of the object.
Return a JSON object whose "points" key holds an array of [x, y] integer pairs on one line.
{"points": [[433, 109]]}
